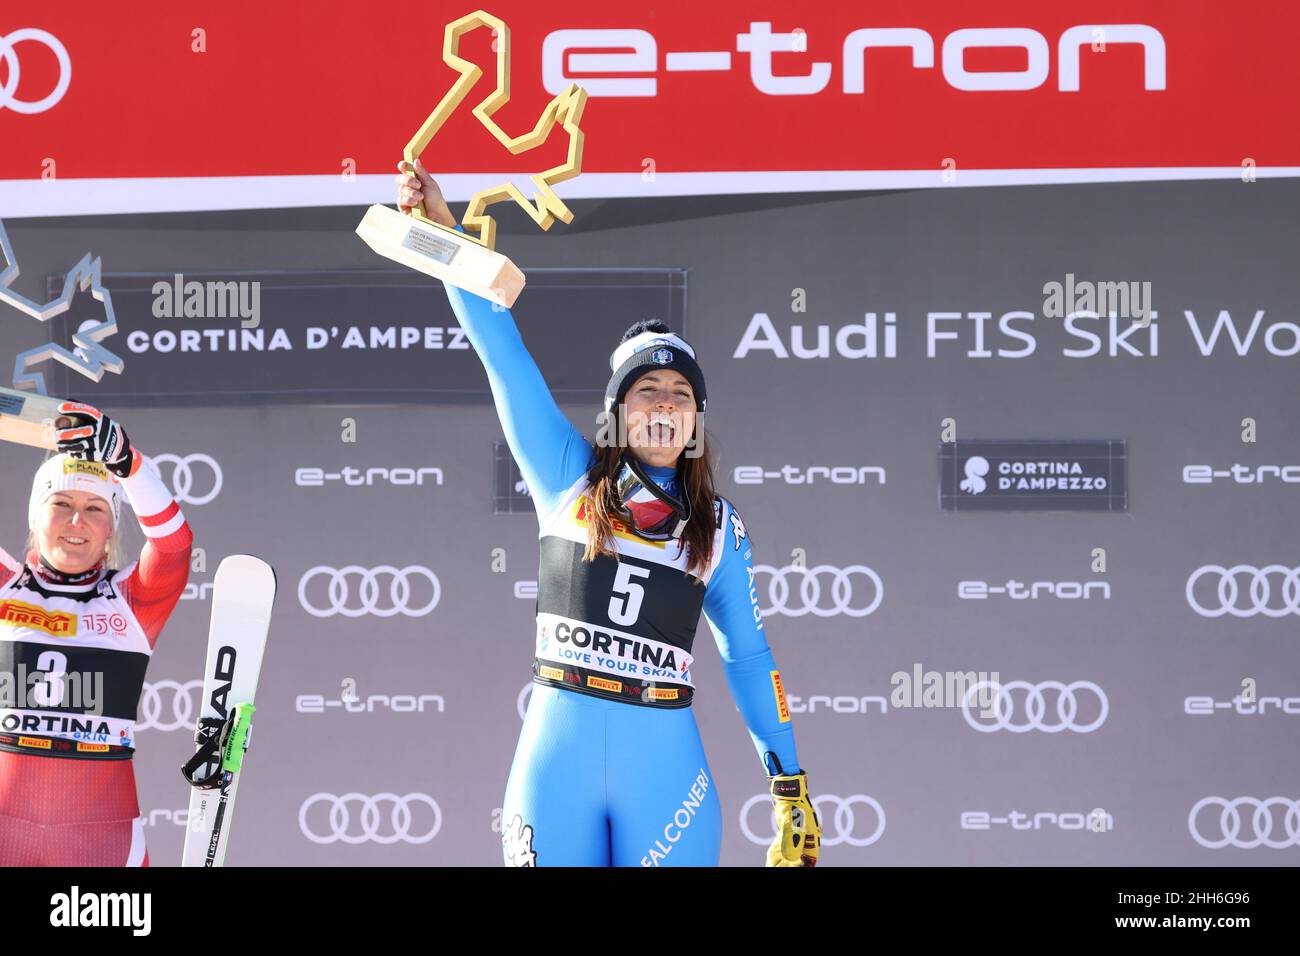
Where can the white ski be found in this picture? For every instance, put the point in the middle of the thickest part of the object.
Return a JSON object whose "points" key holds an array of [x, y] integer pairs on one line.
{"points": [[242, 594]]}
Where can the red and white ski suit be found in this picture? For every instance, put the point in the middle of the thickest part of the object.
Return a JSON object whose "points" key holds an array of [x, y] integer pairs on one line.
{"points": [[67, 785]]}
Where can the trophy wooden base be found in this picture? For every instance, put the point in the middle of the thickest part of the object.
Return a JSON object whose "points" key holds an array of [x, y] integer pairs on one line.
{"points": [[442, 253], [28, 418]]}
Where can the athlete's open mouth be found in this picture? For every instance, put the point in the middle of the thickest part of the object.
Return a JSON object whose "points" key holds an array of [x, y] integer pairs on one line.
{"points": [[73, 540], [661, 429]]}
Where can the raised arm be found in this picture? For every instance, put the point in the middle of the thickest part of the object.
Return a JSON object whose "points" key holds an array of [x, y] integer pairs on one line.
{"points": [[551, 453], [731, 608], [156, 582], [153, 585]]}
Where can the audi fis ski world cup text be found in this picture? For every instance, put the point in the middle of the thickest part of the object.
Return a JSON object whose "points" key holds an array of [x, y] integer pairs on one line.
{"points": [[1015, 335]]}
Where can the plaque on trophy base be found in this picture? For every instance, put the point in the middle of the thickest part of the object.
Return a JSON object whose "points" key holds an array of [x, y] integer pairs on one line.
{"points": [[442, 253]]}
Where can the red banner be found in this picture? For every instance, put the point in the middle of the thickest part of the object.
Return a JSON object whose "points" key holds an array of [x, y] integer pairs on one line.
{"points": [[753, 96]]}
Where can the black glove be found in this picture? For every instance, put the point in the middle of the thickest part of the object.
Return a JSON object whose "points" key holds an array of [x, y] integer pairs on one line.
{"points": [[93, 436]]}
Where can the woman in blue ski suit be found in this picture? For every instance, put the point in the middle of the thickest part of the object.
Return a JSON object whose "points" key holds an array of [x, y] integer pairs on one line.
{"points": [[610, 769]]}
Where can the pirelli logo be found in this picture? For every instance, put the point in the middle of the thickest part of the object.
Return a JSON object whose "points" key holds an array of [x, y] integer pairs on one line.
{"points": [[55, 623], [551, 673], [600, 683], [664, 693], [40, 743], [778, 688], [92, 748], [621, 529]]}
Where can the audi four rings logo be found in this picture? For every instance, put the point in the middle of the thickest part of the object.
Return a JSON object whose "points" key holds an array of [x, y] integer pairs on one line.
{"points": [[840, 826], [363, 597], [1258, 589], [182, 698], [1067, 706], [9, 57], [1262, 821], [824, 590], [189, 470], [355, 818]]}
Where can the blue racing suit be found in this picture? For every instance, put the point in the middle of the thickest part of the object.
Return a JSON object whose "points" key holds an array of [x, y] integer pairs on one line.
{"points": [[609, 768]]}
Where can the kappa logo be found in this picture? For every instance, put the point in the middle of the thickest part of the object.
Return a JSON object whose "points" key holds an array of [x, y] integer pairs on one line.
{"points": [[737, 530], [517, 843]]}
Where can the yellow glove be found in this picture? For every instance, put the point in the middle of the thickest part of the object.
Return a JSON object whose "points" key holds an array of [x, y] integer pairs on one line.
{"points": [[798, 831]]}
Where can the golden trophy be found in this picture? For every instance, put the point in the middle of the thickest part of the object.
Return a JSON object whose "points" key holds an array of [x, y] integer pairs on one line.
{"points": [[468, 260]]}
